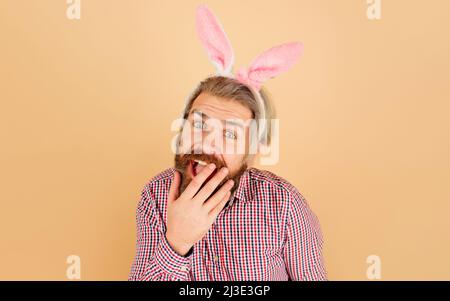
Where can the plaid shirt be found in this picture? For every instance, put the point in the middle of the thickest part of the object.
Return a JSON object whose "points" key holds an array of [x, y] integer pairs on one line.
{"points": [[266, 232]]}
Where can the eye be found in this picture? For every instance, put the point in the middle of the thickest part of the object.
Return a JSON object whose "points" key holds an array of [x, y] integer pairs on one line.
{"points": [[198, 125], [229, 134]]}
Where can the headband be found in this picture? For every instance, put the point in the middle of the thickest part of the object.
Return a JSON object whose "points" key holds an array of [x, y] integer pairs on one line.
{"points": [[268, 64]]}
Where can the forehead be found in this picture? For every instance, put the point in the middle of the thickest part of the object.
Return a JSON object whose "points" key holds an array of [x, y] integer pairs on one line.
{"points": [[220, 108]]}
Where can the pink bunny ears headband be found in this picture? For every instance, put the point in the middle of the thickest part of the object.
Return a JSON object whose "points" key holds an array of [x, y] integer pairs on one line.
{"points": [[267, 65]]}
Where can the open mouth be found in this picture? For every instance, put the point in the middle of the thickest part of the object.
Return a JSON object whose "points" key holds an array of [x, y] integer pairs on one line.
{"points": [[196, 166]]}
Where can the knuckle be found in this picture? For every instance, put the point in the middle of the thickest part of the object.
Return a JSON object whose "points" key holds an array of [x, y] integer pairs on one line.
{"points": [[225, 188], [222, 192], [212, 184]]}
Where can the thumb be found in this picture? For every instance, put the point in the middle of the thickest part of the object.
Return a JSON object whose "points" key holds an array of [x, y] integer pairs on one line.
{"points": [[174, 187]]}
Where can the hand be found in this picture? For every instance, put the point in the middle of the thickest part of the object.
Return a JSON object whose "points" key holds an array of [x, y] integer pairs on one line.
{"points": [[190, 215]]}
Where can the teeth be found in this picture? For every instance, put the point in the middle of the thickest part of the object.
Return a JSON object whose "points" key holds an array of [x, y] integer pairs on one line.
{"points": [[200, 162]]}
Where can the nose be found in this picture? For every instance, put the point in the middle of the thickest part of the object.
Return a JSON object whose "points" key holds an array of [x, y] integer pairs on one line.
{"points": [[211, 145], [209, 150]]}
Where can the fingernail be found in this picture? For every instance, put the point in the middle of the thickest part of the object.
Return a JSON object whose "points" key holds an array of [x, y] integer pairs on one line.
{"points": [[212, 166], [230, 182]]}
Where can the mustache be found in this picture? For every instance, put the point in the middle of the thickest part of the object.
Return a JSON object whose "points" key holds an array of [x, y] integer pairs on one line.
{"points": [[182, 161]]}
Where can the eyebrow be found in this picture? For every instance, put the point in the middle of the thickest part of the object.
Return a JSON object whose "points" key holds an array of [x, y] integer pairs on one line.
{"points": [[231, 122]]}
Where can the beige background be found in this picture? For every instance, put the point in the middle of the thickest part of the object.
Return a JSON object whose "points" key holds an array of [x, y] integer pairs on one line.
{"points": [[86, 108]]}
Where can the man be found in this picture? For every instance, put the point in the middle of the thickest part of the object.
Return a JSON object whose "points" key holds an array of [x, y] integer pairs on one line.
{"points": [[264, 231], [213, 216]]}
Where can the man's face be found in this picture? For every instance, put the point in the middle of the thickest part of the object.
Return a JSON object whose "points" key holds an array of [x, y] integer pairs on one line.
{"points": [[216, 131]]}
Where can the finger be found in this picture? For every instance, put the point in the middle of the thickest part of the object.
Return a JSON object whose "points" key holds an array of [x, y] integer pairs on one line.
{"points": [[197, 181], [216, 210], [214, 200], [174, 187], [212, 184]]}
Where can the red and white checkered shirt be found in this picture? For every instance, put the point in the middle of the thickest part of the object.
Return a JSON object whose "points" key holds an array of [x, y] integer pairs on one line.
{"points": [[266, 232]]}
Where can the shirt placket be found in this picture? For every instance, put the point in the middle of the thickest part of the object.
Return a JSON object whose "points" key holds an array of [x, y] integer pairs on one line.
{"points": [[216, 262]]}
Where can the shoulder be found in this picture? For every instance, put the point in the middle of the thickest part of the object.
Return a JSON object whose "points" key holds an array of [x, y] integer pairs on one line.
{"points": [[267, 182], [277, 192], [278, 189], [156, 188], [160, 181]]}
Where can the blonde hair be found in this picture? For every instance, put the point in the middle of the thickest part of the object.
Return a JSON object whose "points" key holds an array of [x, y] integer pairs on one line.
{"points": [[232, 89]]}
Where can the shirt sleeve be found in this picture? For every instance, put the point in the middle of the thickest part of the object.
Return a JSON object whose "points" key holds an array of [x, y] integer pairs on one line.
{"points": [[304, 242], [155, 260]]}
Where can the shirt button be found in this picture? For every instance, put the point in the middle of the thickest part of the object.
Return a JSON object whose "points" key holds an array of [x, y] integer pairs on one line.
{"points": [[184, 268], [216, 258]]}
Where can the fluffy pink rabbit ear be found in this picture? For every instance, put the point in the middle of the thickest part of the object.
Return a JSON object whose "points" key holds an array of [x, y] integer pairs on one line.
{"points": [[270, 63], [214, 40]]}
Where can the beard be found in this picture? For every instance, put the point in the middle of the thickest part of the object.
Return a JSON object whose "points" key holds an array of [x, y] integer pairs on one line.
{"points": [[184, 163]]}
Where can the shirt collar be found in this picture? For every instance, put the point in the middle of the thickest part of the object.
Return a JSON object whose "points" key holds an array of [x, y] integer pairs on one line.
{"points": [[244, 191]]}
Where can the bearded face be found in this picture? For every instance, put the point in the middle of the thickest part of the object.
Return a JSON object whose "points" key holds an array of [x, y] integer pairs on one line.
{"points": [[189, 165], [216, 131]]}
